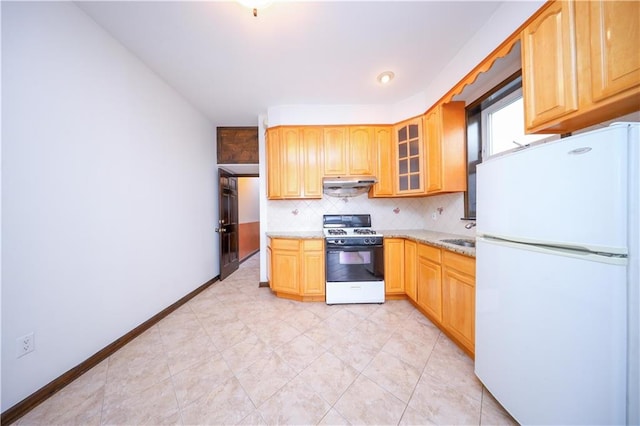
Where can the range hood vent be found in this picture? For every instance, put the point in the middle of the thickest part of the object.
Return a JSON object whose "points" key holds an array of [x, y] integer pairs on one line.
{"points": [[348, 186]]}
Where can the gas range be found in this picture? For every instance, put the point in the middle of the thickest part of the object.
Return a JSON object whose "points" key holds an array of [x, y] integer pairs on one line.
{"points": [[350, 230]]}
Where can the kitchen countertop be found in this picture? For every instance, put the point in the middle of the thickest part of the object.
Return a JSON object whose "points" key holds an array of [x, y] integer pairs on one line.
{"points": [[432, 238], [418, 235], [304, 235]]}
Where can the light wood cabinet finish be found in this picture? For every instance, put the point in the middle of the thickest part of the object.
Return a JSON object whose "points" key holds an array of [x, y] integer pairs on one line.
{"points": [[385, 162], [394, 266], [362, 149], [581, 64], [336, 151], [294, 162], [614, 47], [458, 295], [549, 65], [285, 266], [429, 280], [410, 158], [349, 151], [444, 129], [312, 274], [410, 269], [296, 268]]}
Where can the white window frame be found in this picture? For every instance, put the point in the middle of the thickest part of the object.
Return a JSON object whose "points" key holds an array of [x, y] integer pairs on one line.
{"points": [[486, 126]]}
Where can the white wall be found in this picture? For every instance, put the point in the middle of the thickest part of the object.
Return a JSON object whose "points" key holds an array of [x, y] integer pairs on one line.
{"points": [[248, 199], [108, 192]]}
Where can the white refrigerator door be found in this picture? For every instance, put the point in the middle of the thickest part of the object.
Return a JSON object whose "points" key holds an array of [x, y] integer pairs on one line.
{"points": [[571, 192], [551, 334]]}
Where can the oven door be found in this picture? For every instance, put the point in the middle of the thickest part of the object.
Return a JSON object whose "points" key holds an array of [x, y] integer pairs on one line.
{"points": [[354, 263]]}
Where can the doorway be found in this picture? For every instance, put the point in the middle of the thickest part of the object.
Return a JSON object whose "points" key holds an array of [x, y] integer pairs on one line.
{"points": [[238, 221]]}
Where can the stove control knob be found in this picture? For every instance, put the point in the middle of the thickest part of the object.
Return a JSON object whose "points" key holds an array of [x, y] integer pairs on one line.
{"points": [[367, 241]]}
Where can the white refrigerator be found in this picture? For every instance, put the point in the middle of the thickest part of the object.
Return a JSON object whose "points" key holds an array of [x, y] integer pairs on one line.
{"points": [[557, 279]]}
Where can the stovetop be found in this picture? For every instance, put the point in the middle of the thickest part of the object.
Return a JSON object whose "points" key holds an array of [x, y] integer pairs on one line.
{"points": [[350, 229], [349, 232]]}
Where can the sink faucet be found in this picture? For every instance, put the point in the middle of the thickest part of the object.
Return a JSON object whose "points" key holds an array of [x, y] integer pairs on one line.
{"points": [[470, 225]]}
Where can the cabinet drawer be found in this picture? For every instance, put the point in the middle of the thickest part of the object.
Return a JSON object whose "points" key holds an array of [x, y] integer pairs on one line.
{"points": [[429, 252], [284, 244], [464, 264], [312, 244]]}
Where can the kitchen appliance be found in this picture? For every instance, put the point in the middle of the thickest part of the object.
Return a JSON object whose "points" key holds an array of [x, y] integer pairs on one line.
{"points": [[557, 279], [354, 260], [347, 186]]}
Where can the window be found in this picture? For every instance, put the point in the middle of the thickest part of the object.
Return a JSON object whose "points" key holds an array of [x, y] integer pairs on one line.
{"points": [[503, 126], [495, 125]]}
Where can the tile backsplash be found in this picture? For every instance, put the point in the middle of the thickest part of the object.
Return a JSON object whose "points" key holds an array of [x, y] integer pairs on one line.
{"points": [[386, 213]]}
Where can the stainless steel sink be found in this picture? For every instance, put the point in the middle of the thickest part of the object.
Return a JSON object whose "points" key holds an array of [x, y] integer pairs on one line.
{"points": [[461, 242]]}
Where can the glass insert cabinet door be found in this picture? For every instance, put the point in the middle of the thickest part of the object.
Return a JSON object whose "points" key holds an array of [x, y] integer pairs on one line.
{"points": [[409, 151]]}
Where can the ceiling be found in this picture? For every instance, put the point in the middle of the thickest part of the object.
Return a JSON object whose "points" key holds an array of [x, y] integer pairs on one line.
{"points": [[233, 66]]}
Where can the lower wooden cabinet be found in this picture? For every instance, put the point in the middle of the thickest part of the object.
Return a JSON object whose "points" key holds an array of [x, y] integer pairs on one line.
{"points": [[459, 298], [296, 268], [410, 271], [441, 284], [430, 281], [394, 268]]}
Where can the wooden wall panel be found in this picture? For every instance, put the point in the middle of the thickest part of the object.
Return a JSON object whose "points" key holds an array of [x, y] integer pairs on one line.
{"points": [[248, 238]]}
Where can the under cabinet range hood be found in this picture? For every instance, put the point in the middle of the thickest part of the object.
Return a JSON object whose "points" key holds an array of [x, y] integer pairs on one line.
{"points": [[347, 186]]}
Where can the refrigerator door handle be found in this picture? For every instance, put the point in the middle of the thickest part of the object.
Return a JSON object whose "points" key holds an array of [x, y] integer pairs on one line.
{"points": [[609, 258]]}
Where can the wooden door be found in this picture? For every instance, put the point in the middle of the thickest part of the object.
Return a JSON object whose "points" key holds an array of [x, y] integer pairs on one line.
{"points": [[228, 222], [285, 266], [433, 142], [429, 278], [361, 150], [394, 265], [335, 151], [274, 164], [311, 138], [312, 278], [385, 161], [614, 41], [458, 299], [549, 79], [410, 270], [291, 159]]}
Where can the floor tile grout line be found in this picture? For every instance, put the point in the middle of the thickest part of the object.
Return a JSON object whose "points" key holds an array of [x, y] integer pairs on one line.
{"points": [[421, 374]]}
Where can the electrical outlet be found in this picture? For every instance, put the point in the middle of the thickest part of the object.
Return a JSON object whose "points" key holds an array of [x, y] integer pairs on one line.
{"points": [[25, 344]]}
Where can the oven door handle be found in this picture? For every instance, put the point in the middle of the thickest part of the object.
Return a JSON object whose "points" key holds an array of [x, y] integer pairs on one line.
{"points": [[336, 249]]}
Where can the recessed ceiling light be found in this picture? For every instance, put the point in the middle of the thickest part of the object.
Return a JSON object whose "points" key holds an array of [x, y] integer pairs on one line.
{"points": [[255, 4], [385, 77]]}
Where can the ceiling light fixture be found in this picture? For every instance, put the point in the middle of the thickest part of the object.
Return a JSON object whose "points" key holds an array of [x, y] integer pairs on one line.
{"points": [[255, 4], [385, 77]]}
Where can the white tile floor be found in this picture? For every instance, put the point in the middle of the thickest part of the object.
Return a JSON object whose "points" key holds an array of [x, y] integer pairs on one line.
{"points": [[235, 354]]}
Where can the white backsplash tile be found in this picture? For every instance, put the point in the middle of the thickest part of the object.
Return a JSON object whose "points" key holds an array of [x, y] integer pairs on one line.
{"points": [[386, 213]]}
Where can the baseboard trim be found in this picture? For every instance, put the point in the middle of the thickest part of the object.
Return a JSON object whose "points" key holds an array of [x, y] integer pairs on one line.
{"points": [[263, 284], [248, 256], [14, 413]]}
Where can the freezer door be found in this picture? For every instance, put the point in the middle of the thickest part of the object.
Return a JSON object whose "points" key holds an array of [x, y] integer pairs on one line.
{"points": [[571, 192], [551, 334]]}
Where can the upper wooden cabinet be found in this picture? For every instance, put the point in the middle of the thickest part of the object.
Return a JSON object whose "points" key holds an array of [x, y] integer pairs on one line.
{"points": [[614, 46], [384, 171], [294, 162], [444, 129], [581, 64], [362, 150], [409, 155], [549, 65], [349, 151]]}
